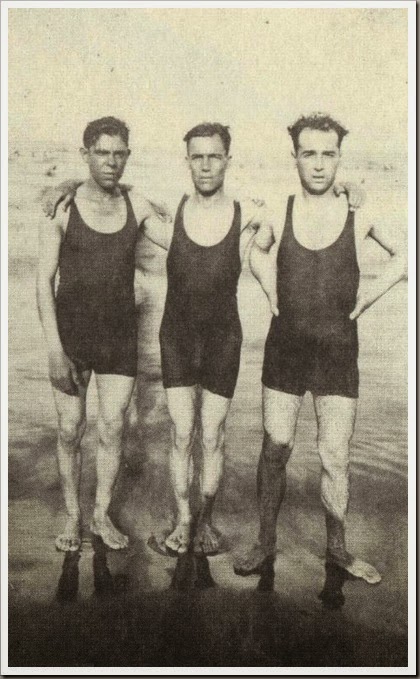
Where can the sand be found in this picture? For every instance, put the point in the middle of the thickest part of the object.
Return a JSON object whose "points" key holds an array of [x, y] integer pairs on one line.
{"points": [[145, 621]]}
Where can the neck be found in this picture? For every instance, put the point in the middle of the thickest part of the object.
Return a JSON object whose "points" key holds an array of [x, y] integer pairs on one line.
{"points": [[97, 192], [317, 198], [210, 199]]}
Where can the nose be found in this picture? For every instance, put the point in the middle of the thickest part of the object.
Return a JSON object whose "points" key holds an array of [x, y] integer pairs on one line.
{"points": [[319, 164], [205, 165], [111, 160]]}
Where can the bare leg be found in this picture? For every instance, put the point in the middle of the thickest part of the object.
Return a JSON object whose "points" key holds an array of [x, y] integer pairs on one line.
{"points": [[182, 409], [114, 393], [280, 414], [71, 412], [336, 417], [214, 410]]}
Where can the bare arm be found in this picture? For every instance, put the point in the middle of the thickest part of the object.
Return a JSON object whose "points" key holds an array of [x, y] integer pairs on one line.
{"points": [[62, 372], [392, 272], [260, 229], [158, 231]]}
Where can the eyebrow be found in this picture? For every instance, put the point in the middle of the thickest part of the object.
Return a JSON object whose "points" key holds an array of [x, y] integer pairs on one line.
{"points": [[103, 151], [210, 155], [325, 153]]}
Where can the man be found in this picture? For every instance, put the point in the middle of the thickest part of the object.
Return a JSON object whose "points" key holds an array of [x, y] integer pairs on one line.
{"points": [[90, 324], [200, 333], [309, 270]]}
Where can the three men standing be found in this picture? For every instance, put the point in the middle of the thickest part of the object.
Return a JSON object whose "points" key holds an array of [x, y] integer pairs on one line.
{"points": [[312, 343]]}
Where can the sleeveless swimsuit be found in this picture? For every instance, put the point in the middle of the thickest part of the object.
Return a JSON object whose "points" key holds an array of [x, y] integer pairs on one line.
{"points": [[200, 334], [312, 344], [95, 305]]}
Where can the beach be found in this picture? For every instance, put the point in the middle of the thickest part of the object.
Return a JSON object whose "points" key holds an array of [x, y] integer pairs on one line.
{"points": [[146, 622]]}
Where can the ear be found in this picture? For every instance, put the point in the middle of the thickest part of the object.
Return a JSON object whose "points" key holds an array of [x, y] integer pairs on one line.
{"points": [[84, 153]]}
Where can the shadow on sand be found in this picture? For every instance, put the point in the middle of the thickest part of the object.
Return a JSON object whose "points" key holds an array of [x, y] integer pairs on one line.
{"points": [[193, 623]]}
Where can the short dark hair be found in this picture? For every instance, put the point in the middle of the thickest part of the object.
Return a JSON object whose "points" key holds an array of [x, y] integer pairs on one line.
{"points": [[316, 121], [109, 125], [208, 130]]}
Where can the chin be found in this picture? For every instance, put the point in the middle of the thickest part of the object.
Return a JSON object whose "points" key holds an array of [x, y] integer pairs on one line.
{"points": [[317, 189], [207, 190]]}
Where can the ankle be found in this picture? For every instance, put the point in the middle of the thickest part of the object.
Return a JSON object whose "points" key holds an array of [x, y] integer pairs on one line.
{"points": [[100, 513], [74, 515]]}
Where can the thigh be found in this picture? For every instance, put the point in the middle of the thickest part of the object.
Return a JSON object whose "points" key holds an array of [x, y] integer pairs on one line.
{"points": [[182, 407], [114, 394], [214, 410], [178, 352], [336, 416], [280, 414], [72, 408], [221, 360]]}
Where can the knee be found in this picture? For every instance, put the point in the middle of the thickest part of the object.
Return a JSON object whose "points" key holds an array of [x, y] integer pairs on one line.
{"points": [[212, 439], [70, 431], [277, 447], [334, 455], [110, 427], [183, 436]]}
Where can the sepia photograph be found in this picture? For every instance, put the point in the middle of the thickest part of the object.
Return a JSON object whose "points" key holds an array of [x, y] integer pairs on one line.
{"points": [[208, 225]]}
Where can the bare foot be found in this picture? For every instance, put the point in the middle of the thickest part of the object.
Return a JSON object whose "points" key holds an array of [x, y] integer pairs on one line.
{"points": [[157, 543], [70, 540], [253, 562], [179, 540], [207, 540], [105, 529], [360, 569]]}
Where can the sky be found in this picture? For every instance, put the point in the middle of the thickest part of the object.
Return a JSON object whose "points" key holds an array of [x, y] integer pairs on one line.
{"points": [[165, 70]]}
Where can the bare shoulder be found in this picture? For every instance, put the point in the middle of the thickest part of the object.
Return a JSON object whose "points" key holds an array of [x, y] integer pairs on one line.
{"points": [[140, 204]]}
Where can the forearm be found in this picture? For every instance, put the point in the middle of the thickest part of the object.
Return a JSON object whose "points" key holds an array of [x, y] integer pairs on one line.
{"points": [[47, 313], [261, 265]]}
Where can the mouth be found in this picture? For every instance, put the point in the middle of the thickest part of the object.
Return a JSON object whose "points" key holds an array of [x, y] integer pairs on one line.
{"points": [[318, 179]]}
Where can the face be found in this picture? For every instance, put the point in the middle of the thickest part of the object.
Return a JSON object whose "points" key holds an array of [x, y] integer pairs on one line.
{"points": [[208, 161], [317, 159], [106, 159]]}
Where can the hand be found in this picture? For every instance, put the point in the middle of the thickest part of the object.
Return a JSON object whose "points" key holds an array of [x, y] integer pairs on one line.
{"points": [[363, 302], [63, 373], [53, 196], [162, 211], [356, 196]]}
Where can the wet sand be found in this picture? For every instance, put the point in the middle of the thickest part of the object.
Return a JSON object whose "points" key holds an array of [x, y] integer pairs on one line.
{"points": [[145, 621]]}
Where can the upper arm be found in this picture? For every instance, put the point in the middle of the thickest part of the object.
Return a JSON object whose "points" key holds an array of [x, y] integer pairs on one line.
{"points": [[258, 222], [158, 231], [154, 219], [386, 237], [384, 231], [50, 235]]}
